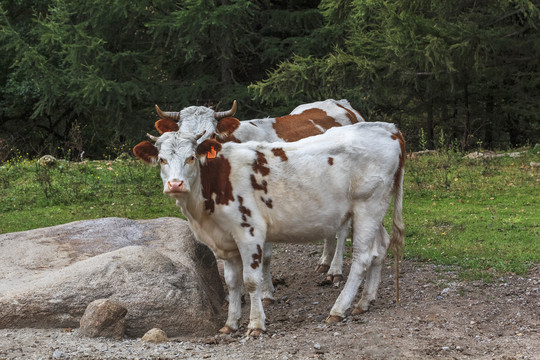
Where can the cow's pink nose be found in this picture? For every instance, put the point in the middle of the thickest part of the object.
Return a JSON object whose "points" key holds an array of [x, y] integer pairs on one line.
{"points": [[175, 186]]}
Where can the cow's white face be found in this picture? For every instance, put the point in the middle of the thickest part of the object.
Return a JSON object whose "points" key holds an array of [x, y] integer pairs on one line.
{"points": [[177, 159], [196, 120]]}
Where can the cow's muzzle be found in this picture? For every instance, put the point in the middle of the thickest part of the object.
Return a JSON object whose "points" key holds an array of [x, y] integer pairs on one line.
{"points": [[175, 186]]}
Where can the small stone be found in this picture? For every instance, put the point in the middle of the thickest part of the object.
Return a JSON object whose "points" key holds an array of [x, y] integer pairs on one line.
{"points": [[47, 160], [444, 291], [57, 354], [155, 336], [446, 348], [104, 317], [317, 346]]}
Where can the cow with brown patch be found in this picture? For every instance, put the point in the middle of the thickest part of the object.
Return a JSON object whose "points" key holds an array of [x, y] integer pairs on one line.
{"points": [[304, 121], [365, 174]]}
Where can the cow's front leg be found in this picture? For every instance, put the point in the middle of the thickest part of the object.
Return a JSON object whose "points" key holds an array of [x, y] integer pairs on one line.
{"points": [[232, 269], [335, 273], [252, 259], [329, 249]]}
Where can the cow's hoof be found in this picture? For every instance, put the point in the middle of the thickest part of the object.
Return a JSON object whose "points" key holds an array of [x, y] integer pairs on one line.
{"points": [[358, 311], [321, 268], [332, 280], [226, 330], [333, 319], [255, 332], [267, 301]]}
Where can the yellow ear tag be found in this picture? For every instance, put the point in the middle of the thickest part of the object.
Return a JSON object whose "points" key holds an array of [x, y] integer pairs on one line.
{"points": [[212, 153]]}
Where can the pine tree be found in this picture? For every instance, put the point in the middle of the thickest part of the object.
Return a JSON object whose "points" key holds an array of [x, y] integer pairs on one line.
{"points": [[451, 66]]}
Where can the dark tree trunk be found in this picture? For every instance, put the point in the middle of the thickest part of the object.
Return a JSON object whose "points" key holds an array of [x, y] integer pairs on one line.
{"points": [[429, 115], [488, 133], [467, 125]]}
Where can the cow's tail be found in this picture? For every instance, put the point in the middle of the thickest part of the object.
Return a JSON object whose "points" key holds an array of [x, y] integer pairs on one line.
{"points": [[398, 229]]}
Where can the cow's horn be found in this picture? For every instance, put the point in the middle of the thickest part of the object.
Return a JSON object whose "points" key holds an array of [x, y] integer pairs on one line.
{"points": [[197, 137], [221, 114], [175, 115], [152, 137]]}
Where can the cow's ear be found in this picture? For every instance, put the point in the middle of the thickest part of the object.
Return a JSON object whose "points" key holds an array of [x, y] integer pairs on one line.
{"points": [[147, 152], [227, 126], [166, 125], [208, 148]]}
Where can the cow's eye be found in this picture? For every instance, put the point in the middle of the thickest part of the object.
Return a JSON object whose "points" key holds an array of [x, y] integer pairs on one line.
{"points": [[163, 161], [190, 159]]}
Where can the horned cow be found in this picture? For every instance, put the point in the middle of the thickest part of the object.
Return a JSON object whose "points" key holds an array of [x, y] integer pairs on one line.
{"points": [[304, 121], [246, 195]]}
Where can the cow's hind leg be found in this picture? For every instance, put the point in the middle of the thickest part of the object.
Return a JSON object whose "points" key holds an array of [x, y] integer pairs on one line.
{"points": [[267, 288], [373, 276], [232, 269], [366, 225]]}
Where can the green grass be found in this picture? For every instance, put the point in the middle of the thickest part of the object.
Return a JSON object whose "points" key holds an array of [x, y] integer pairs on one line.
{"points": [[480, 217], [33, 196]]}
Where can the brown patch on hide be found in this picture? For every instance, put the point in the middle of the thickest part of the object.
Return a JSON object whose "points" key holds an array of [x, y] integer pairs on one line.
{"points": [[252, 123], [146, 151], [251, 232], [267, 202], [279, 152], [259, 164], [257, 186], [225, 129], [243, 210], [299, 126], [331, 161], [209, 205], [257, 258], [209, 146], [351, 115], [215, 180], [166, 125], [399, 137], [245, 224]]}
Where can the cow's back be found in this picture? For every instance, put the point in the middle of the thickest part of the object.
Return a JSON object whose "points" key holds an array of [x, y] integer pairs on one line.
{"points": [[304, 121], [341, 110], [304, 189]]}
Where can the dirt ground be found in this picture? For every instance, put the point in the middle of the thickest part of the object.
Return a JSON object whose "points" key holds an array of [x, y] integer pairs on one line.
{"points": [[438, 317]]}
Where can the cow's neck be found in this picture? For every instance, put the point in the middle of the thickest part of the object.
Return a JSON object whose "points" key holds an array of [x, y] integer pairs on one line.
{"points": [[203, 225], [192, 204]]}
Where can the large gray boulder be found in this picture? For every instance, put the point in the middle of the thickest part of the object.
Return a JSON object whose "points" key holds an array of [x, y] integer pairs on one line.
{"points": [[154, 268]]}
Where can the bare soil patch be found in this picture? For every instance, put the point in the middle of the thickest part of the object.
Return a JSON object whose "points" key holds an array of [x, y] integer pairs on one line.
{"points": [[438, 317]]}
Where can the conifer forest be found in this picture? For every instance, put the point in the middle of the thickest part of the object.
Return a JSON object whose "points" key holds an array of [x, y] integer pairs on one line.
{"points": [[81, 78]]}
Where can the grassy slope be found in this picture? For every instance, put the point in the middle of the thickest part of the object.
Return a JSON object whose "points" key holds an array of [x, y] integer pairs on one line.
{"points": [[34, 196], [481, 216]]}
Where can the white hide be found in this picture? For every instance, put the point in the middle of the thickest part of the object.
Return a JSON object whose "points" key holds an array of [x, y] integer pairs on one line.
{"points": [[311, 199], [333, 108]]}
